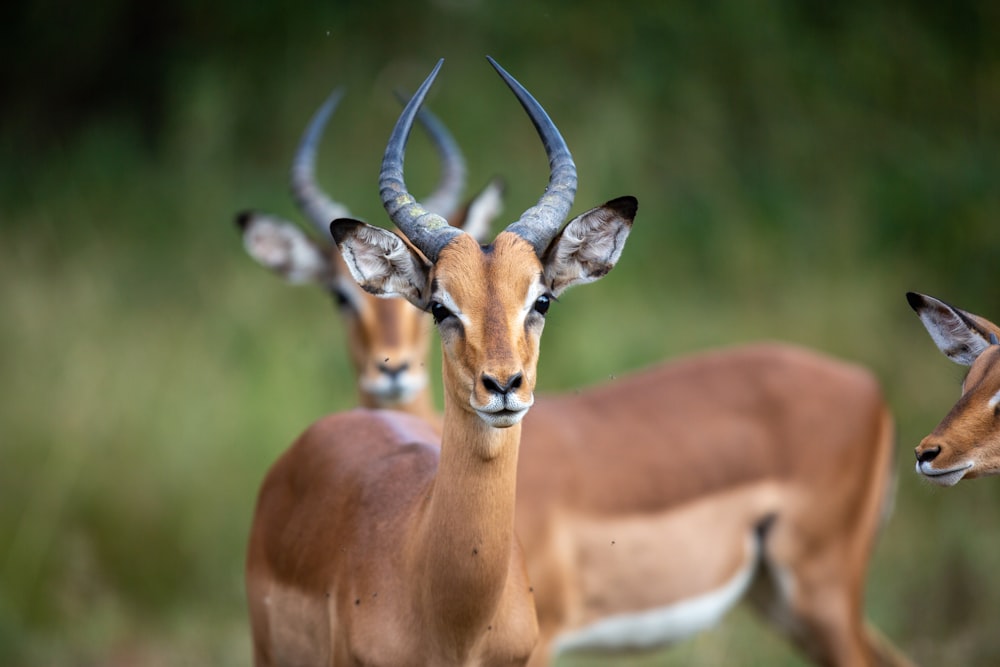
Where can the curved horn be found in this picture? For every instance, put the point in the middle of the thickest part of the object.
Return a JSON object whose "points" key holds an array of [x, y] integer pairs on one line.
{"points": [[540, 223], [429, 232], [445, 199], [315, 204]]}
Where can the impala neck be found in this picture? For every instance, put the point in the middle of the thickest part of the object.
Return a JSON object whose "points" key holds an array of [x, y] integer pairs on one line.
{"points": [[464, 542]]}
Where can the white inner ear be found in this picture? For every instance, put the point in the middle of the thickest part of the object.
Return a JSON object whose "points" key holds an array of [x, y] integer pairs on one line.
{"points": [[384, 265], [993, 402], [952, 335], [588, 247], [284, 248]]}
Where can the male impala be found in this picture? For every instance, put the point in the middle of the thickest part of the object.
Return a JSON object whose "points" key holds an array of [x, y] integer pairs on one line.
{"points": [[373, 545], [646, 506], [966, 444], [388, 338]]}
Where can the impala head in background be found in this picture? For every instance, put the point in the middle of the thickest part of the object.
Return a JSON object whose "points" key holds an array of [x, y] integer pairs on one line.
{"points": [[387, 338], [489, 302], [966, 444]]}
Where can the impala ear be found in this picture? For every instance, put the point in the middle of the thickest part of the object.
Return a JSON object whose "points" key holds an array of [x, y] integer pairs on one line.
{"points": [[589, 245], [960, 335], [381, 262], [284, 248]]}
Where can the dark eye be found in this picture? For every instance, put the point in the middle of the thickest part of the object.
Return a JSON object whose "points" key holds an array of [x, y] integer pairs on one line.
{"points": [[439, 312], [542, 304], [340, 298]]}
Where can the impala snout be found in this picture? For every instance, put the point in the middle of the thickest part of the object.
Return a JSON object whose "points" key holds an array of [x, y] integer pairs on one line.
{"points": [[393, 379], [500, 399], [937, 468]]}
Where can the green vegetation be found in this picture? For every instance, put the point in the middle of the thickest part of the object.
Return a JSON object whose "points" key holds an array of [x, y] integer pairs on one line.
{"points": [[798, 167]]}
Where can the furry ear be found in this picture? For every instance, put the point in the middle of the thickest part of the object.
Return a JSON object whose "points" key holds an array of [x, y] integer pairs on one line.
{"points": [[282, 247], [482, 210], [960, 335], [381, 262], [589, 245]]}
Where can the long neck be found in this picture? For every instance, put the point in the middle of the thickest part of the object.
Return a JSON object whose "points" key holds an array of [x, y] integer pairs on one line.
{"points": [[462, 547]]}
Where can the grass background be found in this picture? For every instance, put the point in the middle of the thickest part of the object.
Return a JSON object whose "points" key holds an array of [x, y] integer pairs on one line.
{"points": [[798, 168]]}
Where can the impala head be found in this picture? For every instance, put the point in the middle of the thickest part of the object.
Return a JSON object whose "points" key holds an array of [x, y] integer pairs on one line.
{"points": [[489, 302], [388, 338], [966, 444]]}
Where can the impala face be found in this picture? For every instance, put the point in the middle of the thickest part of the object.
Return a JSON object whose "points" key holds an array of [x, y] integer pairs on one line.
{"points": [[966, 444], [489, 302], [491, 345], [387, 338]]}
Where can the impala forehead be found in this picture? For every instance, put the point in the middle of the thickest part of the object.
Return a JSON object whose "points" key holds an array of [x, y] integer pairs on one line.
{"points": [[470, 279]]}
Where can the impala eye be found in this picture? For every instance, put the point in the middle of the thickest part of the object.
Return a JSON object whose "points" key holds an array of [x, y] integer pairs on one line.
{"points": [[340, 298], [542, 304], [439, 312]]}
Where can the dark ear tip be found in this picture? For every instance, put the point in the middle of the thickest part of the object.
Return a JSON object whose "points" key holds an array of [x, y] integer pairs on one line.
{"points": [[243, 219], [915, 300], [341, 227], [626, 206]]}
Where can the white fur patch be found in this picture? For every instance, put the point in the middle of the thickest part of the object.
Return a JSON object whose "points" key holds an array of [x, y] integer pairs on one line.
{"points": [[665, 625]]}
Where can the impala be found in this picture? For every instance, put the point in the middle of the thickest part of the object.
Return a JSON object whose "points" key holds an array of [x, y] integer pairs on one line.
{"points": [[966, 444], [387, 338], [648, 506], [374, 543]]}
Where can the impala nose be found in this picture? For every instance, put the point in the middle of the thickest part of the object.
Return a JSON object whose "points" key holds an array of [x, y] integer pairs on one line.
{"points": [[495, 386], [927, 455], [393, 371]]}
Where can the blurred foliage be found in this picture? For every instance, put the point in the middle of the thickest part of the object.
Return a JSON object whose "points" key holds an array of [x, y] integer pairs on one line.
{"points": [[798, 166]]}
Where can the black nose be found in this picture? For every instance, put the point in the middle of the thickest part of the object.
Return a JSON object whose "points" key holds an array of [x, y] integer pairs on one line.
{"points": [[495, 386], [928, 454], [393, 371]]}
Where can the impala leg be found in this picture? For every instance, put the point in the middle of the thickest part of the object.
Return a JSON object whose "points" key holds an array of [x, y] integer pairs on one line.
{"points": [[812, 587]]}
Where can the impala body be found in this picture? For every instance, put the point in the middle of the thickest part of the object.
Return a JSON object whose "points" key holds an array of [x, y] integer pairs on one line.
{"points": [[648, 506], [966, 444], [387, 338], [376, 543]]}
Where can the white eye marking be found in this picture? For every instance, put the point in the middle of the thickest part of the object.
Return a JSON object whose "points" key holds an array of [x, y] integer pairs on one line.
{"points": [[994, 401], [445, 300], [534, 292]]}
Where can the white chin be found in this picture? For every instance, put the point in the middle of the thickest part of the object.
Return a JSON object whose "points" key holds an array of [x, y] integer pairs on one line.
{"points": [[944, 477], [503, 419]]}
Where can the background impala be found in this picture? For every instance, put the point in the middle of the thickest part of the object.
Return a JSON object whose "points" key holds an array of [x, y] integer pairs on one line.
{"points": [[966, 444], [800, 166]]}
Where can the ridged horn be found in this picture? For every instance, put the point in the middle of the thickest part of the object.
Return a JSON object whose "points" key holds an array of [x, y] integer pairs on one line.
{"points": [[446, 197], [539, 224], [315, 204], [429, 232]]}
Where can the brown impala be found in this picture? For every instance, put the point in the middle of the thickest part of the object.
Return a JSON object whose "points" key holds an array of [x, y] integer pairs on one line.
{"points": [[648, 506], [966, 444], [387, 338], [375, 543]]}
